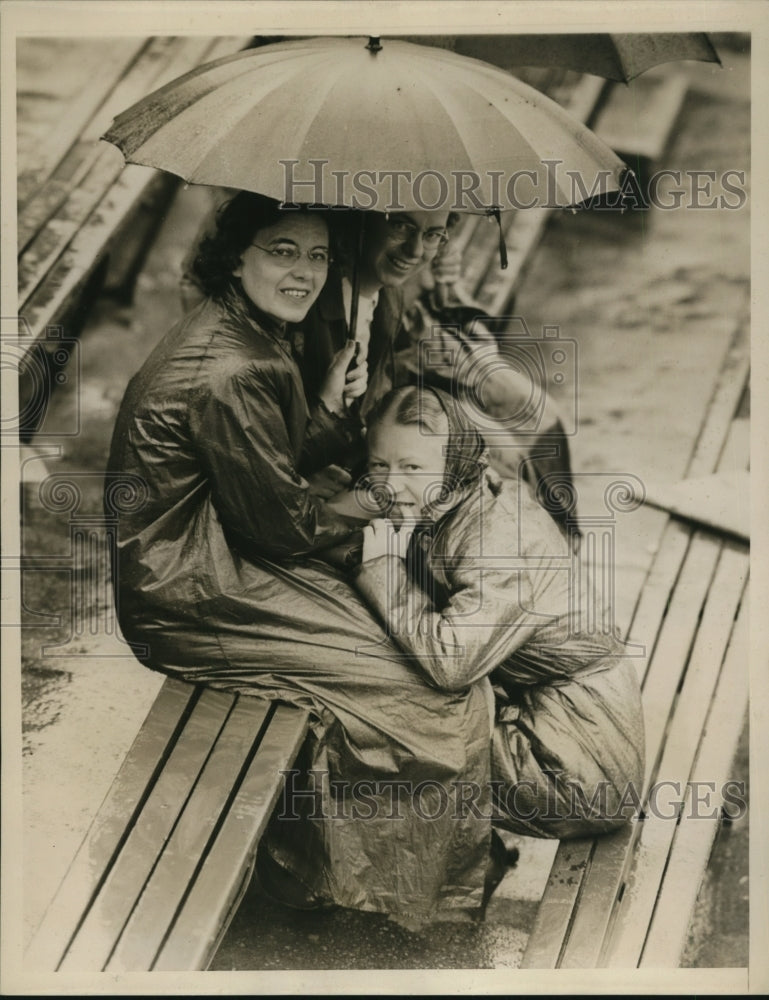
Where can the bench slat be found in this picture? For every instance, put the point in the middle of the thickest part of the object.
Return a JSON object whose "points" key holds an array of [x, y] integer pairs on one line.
{"points": [[554, 914], [651, 854], [571, 868], [722, 407], [650, 840], [76, 263], [217, 890], [674, 645], [82, 147], [104, 836], [613, 855], [696, 834], [163, 893], [92, 164], [638, 118], [53, 289], [110, 910], [104, 66], [596, 885]]}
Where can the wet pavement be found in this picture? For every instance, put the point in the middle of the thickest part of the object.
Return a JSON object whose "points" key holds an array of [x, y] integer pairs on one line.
{"points": [[651, 300]]}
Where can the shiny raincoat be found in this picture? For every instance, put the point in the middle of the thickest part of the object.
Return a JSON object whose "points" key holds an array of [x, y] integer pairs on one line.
{"points": [[490, 587], [220, 574]]}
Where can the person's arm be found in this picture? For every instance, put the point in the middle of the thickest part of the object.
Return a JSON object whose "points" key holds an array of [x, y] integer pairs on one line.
{"points": [[334, 433], [330, 438], [245, 448], [484, 621]]}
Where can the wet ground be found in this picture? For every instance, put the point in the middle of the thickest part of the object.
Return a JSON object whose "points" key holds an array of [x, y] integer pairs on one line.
{"points": [[651, 300]]}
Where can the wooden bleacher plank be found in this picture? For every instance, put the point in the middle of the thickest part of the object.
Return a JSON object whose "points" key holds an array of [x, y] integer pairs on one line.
{"points": [[719, 502], [613, 855], [718, 434], [638, 118], [677, 636], [163, 893], [572, 865], [77, 261], [100, 67], [733, 378], [610, 853], [117, 896], [63, 260], [77, 185], [81, 146], [478, 254], [651, 857], [657, 589], [696, 834], [554, 914], [104, 836], [196, 934], [521, 239], [651, 843]]}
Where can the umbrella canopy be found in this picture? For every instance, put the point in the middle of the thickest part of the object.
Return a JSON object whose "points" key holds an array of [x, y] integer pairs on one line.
{"points": [[342, 122], [618, 57]]}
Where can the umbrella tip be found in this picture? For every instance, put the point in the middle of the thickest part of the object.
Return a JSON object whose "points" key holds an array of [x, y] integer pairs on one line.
{"points": [[373, 44]]}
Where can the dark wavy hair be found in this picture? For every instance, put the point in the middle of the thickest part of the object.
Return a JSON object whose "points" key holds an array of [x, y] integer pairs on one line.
{"points": [[237, 222]]}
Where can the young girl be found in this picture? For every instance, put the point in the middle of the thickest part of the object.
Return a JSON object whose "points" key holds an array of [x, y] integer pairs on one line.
{"points": [[478, 586]]}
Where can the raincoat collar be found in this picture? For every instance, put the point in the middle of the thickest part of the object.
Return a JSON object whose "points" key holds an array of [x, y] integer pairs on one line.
{"points": [[239, 307]]}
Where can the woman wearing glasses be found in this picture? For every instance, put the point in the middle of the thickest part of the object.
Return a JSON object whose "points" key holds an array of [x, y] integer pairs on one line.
{"points": [[220, 575]]}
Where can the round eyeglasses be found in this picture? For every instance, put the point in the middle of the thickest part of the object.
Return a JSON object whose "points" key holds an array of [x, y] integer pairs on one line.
{"points": [[404, 231], [287, 257]]}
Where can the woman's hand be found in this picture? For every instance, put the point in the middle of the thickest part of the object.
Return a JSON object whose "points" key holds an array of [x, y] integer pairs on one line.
{"points": [[340, 386], [377, 535]]}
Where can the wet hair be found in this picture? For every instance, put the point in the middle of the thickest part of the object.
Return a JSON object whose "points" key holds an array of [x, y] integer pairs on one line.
{"points": [[408, 407], [436, 412], [237, 222]]}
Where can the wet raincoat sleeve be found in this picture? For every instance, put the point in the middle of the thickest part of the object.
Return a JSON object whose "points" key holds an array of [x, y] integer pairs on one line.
{"points": [[244, 443], [483, 622], [330, 439]]}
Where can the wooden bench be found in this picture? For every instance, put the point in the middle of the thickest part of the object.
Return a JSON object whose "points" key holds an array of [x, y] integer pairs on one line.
{"points": [[172, 848], [637, 119], [625, 900], [83, 218]]}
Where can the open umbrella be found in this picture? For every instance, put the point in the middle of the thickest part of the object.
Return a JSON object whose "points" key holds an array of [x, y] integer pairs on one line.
{"points": [[619, 57], [352, 122], [343, 121]]}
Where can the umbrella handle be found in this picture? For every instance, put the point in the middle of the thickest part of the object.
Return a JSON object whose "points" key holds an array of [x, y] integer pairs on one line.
{"points": [[356, 278]]}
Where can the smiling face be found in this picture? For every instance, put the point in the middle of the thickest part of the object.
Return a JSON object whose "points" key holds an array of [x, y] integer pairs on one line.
{"points": [[278, 275], [409, 462], [398, 245]]}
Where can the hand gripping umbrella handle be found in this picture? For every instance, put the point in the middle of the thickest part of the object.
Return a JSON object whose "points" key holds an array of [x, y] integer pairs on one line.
{"points": [[356, 278]]}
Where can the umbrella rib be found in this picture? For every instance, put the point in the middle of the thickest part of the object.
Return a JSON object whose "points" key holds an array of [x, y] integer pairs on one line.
{"points": [[440, 92], [318, 95]]}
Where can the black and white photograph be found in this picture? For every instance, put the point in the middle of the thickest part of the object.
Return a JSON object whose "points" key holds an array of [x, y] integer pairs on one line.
{"points": [[378, 390]]}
